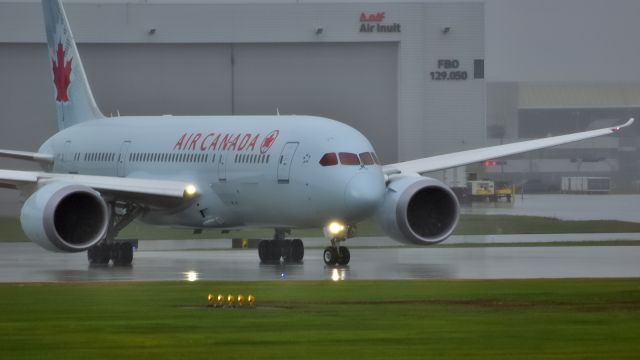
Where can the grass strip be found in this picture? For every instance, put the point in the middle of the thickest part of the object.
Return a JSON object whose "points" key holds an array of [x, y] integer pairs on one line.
{"points": [[459, 319]]}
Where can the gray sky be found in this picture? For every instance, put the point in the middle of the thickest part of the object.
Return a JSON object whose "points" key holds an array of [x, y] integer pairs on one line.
{"points": [[562, 40]]}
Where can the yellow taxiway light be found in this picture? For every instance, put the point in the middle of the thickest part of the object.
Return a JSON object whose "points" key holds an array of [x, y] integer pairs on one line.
{"points": [[210, 300], [240, 299], [220, 299], [251, 300], [190, 190], [335, 228], [230, 300]]}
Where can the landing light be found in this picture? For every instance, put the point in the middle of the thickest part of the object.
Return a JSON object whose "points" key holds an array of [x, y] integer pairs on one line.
{"points": [[190, 190], [335, 228]]}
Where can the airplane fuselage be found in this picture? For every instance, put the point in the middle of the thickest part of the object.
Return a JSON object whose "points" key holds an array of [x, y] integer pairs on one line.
{"points": [[249, 171]]}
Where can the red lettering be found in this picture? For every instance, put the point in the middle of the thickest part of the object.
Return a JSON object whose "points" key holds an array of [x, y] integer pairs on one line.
{"points": [[234, 143], [225, 142], [244, 141], [192, 144], [186, 143], [214, 143], [377, 17], [253, 142], [203, 146], [180, 142]]}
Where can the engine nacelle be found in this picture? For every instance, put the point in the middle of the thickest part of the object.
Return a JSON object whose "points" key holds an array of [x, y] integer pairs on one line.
{"points": [[65, 217], [419, 210]]}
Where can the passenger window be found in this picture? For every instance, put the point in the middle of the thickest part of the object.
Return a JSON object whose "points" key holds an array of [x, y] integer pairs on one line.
{"points": [[329, 159], [349, 158], [366, 158]]}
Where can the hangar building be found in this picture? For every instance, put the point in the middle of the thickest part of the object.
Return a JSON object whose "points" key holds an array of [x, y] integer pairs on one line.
{"points": [[410, 76]]}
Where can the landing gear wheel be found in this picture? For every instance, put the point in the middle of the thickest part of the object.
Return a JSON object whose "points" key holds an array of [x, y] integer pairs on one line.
{"points": [[297, 250], [122, 254], [263, 250], [330, 256], [344, 256], [275, 250], [99, 254]]}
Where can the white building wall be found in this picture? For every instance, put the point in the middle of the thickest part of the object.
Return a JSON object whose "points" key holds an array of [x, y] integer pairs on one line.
{"points": [[426, 118]]}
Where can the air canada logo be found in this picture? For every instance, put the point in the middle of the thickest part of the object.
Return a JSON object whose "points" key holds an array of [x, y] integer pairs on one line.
{"points": [[61, 74], [268, 141]]}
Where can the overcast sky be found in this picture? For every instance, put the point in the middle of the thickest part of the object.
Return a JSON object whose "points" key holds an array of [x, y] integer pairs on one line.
{"points": [[566, 40]]}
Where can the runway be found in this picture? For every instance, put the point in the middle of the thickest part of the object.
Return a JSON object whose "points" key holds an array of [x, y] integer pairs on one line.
{"points": [[172, 260]]}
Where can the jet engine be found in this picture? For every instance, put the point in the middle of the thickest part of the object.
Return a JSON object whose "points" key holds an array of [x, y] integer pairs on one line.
{"points": [[65, 217], [419, 210]]}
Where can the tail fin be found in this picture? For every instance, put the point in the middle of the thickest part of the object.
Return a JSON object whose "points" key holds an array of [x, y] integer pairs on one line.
{"points": [[74, 101]]}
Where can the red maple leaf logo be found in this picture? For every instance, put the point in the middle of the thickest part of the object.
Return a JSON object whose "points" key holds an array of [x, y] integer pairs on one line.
{"points": [[61, 75], [268, 141]]}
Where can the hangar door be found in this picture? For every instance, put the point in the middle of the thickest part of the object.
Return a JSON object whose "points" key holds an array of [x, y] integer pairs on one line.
{"points": [[355, 83]]}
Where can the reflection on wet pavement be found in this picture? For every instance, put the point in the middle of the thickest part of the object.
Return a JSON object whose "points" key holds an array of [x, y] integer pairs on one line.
{"points": [[25, 262]]}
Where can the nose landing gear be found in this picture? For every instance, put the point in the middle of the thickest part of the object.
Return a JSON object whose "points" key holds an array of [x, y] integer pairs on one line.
{"points": [[335, 254]]}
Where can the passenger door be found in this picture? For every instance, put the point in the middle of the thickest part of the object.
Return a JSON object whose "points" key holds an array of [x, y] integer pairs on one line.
{"points": [[284, 162]]}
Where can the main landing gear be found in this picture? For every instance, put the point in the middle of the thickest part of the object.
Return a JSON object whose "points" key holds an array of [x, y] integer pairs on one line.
{"points": [[336, 254], [270, 251], [110, 249], [120, 252]]}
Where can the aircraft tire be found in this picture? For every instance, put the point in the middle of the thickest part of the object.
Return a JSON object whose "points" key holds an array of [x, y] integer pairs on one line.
{"points": [[330, 256], [297, 250], [345, 256], [275, 250], [263, 251], [122, 254], [98, 255]]}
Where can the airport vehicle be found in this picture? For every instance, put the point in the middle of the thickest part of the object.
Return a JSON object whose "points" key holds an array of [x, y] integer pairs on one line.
{"points": [[481, 190], [225, 172]]}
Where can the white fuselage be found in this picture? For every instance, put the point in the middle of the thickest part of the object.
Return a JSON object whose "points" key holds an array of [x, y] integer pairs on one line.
{"points": [[250, 171]]}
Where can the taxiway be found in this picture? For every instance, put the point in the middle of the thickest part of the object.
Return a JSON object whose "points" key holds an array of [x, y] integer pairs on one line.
{"points": [[192, 261]]}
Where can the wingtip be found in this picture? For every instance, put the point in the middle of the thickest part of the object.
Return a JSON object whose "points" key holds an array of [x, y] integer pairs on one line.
{"points": [[629, 122]]}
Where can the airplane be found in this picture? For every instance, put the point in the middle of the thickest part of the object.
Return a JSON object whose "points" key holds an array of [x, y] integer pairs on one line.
{"points": [[222, 172]]}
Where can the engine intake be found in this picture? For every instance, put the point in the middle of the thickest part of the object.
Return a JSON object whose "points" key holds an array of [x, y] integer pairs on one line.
{"points": [[419, 210], [65, 217]]}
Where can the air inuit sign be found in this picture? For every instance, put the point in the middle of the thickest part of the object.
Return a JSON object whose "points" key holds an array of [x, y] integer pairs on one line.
{"points": [[374, 22]]}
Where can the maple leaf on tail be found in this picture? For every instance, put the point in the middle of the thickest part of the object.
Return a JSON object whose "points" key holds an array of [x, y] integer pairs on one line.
{"points": [[61, 75]]}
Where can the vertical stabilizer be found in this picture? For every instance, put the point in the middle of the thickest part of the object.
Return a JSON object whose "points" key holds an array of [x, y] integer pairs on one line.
{"points": [[74, 101]]}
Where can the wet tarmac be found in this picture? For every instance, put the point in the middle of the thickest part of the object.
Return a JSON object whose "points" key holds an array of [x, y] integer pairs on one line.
{"points": [[25, 262], [625, 207]]}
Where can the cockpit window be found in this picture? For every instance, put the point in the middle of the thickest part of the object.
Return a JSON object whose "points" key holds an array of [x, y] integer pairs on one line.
{"points": [[329, 159], [366, 158], [348, 158], [375, 158]]}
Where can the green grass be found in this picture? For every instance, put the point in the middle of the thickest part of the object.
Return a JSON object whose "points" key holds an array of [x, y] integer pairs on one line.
{"points": [[514, 319], [469, 225]]}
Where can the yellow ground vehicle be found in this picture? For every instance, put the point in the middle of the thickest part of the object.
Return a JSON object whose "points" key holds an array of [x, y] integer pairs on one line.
{"points": [[504, 190], [489, 190]]}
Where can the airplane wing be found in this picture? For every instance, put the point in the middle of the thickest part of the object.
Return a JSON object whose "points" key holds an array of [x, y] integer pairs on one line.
{"points": [[124, 187], [445, 161], [25, 155]]}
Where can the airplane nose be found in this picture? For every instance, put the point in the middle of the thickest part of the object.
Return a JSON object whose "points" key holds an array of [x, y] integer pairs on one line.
{"points": [[364, 194]]}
